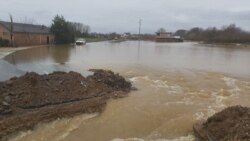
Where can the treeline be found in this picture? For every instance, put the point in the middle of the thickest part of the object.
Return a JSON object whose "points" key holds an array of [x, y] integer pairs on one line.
{"points": [[66, 32], [227, 34]]}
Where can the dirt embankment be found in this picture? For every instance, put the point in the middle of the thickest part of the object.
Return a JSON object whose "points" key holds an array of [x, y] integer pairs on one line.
{"points": [[231, 124], [33, 98]]}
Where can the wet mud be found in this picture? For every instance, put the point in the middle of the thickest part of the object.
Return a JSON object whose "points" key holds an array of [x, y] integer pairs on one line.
{"points": [[30, 99]]}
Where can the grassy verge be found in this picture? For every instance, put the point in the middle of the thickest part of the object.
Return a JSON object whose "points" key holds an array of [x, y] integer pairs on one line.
{"points": [[90, 40]]}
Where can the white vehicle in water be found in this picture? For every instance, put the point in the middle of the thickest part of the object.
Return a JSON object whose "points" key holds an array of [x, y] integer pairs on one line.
{"points": [[80, 41]]}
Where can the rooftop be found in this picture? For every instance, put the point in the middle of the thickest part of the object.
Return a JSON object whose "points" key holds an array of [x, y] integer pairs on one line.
{"points": [[28, 28]]}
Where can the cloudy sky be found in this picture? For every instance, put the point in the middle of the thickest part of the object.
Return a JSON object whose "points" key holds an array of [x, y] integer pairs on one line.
{"points": [[123, 15]]}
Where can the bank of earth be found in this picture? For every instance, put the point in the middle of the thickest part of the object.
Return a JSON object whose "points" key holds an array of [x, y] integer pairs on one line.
{"points": [[34, 98]]}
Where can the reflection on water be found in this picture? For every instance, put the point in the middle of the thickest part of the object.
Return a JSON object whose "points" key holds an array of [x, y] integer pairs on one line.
{"points": [[57, 54], [172, 56], [179, 83], [60, 56], [139, 50], [28, 55], [7, 70]]}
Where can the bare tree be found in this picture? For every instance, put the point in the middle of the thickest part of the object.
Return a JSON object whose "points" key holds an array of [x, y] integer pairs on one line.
{"points": [[160, 30], [227, 34], [86, 29], [79, 29], [27, 20]]}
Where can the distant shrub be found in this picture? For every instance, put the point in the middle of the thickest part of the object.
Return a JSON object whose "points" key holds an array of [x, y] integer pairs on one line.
{"points": [[4, 42]]}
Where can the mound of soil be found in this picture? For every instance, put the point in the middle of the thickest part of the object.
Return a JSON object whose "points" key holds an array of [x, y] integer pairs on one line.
{"points": [[33, 98], [111, 79], [231, 124]]}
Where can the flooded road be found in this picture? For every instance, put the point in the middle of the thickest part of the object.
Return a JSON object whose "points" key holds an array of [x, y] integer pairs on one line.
{"points": [[178, 84]]}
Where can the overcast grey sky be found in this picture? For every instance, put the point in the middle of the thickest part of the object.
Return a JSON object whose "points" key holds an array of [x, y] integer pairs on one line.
{"points": [[123, 15]]}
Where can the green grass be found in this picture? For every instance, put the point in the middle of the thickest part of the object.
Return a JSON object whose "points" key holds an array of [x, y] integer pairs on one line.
{"points": [[89, 40]]}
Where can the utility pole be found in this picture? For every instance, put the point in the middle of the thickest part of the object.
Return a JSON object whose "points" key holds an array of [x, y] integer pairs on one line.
{"points": [[139, 36], [11, 30]]}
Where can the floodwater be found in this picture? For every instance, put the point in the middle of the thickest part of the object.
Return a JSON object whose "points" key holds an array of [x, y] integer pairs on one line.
{"points": [[178, 84]]}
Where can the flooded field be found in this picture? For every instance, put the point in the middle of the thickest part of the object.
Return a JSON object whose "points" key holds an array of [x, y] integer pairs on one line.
{"points": [[178, 84]]}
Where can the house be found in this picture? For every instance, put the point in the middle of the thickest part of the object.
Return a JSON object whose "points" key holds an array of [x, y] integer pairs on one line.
{"points": [[164, 35], [167, 37], [26, 34]]}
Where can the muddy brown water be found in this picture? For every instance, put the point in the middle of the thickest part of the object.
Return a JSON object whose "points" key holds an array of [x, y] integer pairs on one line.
{"points": [[178, 84]]}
